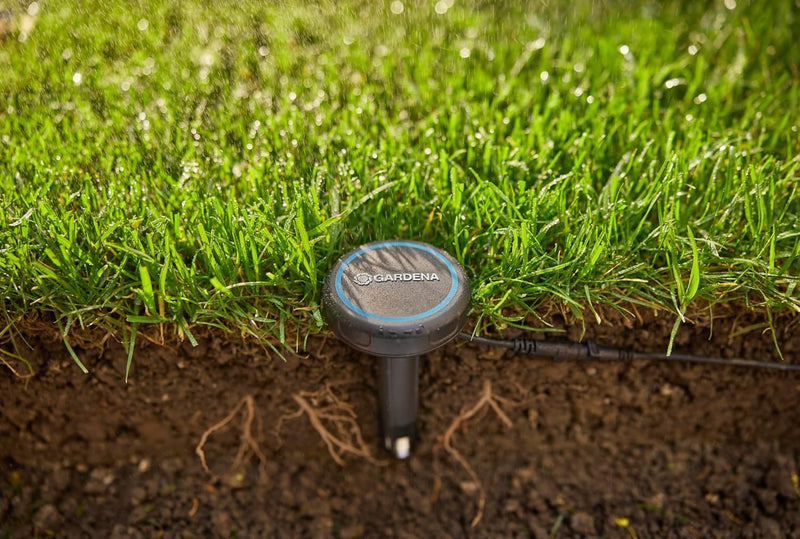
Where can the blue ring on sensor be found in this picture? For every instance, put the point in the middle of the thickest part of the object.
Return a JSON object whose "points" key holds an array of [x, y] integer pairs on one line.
{"points": [[450, 295]]}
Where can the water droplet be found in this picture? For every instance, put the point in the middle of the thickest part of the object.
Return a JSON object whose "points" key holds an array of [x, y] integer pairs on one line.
{"points": [[77, 78], [701, 98], [33, 9], [538, 44], [730, 4], [689, 117], [263, 50], [590, 99], [348, 40], [143, 25], [397, 7], [292, 96], [66, 54], [441, 7], [624, 50], [672, 83], [544, 75], [206, 59], [693, 50], [464, 52]]}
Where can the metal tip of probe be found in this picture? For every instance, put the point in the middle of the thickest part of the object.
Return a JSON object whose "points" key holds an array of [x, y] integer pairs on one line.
{"points": [[401, 447]]}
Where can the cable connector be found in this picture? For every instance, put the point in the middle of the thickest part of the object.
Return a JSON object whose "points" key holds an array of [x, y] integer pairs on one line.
{"points": [[564, 351]]}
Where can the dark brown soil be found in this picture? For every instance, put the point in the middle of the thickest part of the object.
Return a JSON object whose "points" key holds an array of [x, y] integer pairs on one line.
{"points": [[618, 450]]}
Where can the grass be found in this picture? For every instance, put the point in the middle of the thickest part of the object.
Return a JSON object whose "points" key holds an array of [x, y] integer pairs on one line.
{"points": [[187, 164]]}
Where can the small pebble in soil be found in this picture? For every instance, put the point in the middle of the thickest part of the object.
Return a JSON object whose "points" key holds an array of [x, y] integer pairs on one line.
{"points": [[60, 479], [98, 481], [46, 517], [770, 528], [780, 479], [537, 531], [512, 506], [582, 523], [469, 487], [138, 495], [352, 532], [768, 500], [223, 525], [536, 502], [121, 531], [138, 514]]}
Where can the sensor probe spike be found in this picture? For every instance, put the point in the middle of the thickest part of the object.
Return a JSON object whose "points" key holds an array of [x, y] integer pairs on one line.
{"points": [[396, 300], [589, 351]]}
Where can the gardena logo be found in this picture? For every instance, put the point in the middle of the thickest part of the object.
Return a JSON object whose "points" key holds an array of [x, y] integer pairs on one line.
{"points": [[363, 279]]}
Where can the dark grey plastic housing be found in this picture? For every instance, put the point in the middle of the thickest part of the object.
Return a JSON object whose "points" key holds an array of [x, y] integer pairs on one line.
{"points": [[396, 300]]}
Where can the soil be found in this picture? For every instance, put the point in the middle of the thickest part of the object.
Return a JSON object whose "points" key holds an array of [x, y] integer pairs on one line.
{"points": [[642, 449]]}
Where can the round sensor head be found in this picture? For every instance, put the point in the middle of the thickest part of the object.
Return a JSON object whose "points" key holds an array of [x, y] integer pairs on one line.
{"points": [[396, 298]]}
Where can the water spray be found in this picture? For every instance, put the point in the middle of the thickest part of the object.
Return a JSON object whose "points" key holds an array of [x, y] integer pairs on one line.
{"points": [[399, 299]]}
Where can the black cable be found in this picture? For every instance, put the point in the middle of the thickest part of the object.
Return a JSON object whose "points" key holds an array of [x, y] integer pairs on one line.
{"points": [[589, 351]]}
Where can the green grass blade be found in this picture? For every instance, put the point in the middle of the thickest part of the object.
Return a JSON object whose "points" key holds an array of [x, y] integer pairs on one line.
{"points": [[131, 344]]}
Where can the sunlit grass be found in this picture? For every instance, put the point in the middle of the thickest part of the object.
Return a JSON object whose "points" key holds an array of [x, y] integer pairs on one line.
{"points": [[189, 165]]}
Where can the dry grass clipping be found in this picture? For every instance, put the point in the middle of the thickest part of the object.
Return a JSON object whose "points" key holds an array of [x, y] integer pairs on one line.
{"points": [[248, 444], [487, 398], [335, 422]]}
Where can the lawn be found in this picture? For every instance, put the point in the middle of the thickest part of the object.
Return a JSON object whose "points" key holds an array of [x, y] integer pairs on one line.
{"points": [[204, 164]]}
